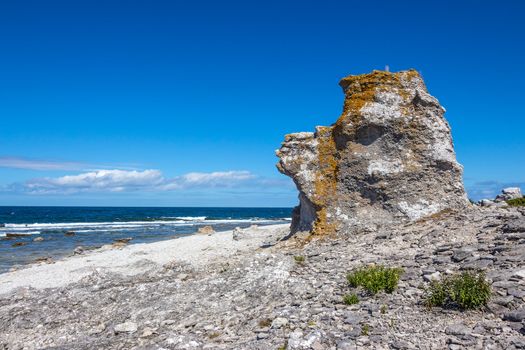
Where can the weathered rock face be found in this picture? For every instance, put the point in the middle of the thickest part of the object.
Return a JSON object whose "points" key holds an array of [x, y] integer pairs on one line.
{"points": [[388, 158]]}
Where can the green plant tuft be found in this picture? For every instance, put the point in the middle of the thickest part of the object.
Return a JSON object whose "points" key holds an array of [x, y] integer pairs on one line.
{"points": [[299, 259], [365, 329], [350, 299], [517, 202], [467, 290], [375, 278]]}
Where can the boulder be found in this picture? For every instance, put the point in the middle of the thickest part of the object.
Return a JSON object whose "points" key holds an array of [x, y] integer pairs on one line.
{"points": [[388, 158], [508, 194], [206, 230]]}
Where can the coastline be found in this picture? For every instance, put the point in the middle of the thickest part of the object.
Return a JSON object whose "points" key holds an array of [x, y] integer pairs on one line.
{"points": [[247, 294], [196, 250]]}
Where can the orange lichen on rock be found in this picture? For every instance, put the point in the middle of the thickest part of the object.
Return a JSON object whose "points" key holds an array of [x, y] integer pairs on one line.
{"points": [[325, 179]]}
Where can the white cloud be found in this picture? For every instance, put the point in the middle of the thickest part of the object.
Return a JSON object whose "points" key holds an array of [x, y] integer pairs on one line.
{"points": [[214, 179], [37, 164], [133, 180], [96, 181]]}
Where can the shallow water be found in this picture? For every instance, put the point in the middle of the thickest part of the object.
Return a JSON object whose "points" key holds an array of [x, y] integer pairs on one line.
{"points": [[65, 228]]}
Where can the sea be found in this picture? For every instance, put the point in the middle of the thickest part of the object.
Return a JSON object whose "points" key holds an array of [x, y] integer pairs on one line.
{"points": [[63, 229]]}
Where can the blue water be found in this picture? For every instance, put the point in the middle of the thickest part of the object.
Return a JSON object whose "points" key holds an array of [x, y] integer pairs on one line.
{"points": [[92, 227]]}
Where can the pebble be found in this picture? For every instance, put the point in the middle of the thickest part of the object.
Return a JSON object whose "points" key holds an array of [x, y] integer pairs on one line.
{"points": [[126, 327]]}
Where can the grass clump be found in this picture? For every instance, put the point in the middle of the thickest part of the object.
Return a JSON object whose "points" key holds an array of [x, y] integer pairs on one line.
{"points": [[299, 259], [375, 278], [350, 299], [467, 290], [517, 202], [284, 346], [365, 329], [265, 322]]}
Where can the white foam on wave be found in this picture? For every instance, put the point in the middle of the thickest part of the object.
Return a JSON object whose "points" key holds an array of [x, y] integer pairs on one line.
{"points": [[21, 233], [127, 224], [187, 218]]}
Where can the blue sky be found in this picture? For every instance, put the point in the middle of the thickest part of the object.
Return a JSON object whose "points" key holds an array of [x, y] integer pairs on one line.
{"points": [[184, 102]]}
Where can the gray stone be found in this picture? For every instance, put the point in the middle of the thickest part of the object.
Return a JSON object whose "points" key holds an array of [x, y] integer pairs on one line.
{"points": [[353, 319], [462, 254], [458, 329], [346, 345], [516, 225], [432, 276], [126, 327], [515, 315], [402, 345], [279, 322], [519, 274]]}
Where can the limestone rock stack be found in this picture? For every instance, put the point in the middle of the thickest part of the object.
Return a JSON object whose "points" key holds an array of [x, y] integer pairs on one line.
{"points": [[388, 158]]}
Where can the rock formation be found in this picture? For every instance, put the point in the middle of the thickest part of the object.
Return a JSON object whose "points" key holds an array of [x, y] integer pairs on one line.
{"points": [[388, 158]]}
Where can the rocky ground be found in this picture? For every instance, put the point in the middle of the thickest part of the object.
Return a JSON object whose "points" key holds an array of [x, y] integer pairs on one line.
{"points": [[267, 300]]}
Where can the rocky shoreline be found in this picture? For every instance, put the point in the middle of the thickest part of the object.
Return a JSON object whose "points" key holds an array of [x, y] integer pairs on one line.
{"points": [[380, 189], [264, 298]]}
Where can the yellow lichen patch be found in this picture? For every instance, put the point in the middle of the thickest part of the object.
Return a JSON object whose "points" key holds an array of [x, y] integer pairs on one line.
{"points": [[440, 215], [361, 89], [325, 179]]}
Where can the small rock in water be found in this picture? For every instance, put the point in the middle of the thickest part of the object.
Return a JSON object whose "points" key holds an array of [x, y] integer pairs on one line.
{"points": [[14, 235], [122, 240], [126, 327], [18, 244], [38, 239], [69, 233], [44, 259]]}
